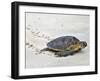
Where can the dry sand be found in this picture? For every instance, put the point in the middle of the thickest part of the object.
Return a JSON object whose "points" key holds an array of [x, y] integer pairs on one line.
{"points": [[38, 36]]}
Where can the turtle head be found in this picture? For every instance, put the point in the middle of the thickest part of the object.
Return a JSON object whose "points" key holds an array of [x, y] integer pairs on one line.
{"points": [[83, 44]]}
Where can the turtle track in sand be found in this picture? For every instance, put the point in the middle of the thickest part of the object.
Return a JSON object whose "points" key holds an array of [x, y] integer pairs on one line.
{"points": [[37, 34]]}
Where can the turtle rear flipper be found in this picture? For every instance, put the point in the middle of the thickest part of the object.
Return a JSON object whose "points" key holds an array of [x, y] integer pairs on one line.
{"points": [[64, 53]]}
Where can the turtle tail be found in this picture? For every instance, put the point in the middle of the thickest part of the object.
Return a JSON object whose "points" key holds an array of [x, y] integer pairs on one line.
{"points": [[44, 49], [47, 49]]}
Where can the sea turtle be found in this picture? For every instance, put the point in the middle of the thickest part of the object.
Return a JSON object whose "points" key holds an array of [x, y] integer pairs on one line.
{"points": [[65, 45]]}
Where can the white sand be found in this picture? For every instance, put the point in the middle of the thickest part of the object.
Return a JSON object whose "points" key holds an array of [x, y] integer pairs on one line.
{"points": [[39, 32]]}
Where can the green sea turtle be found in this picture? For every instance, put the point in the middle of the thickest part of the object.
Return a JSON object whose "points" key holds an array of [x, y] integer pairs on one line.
{"points": [[65, 45]]}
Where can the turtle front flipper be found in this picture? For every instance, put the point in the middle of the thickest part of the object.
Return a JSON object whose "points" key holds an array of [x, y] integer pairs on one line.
{"points": [[64, 53]]}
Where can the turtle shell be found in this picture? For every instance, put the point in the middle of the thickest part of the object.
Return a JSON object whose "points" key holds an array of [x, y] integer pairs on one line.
{"points": [[62, 42]]}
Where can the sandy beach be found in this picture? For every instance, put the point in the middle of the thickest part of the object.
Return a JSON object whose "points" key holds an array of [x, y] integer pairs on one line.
{"points": [[39, 32]]}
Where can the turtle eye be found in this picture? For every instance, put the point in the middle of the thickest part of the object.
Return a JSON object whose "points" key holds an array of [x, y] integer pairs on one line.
{"points": [[85, 44]]}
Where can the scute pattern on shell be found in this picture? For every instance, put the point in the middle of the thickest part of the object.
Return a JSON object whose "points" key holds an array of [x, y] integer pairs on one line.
{"points": [[62, 42]]}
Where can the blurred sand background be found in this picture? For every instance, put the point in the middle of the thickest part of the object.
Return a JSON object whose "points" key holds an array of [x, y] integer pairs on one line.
{"points": [[42, 28]]}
